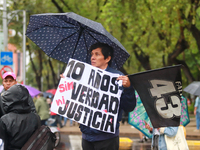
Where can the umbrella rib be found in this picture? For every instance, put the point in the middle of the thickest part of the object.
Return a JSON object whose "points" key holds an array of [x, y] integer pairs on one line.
{"points": [[80, 33], [85, 39], [79, 29], [61, 41], [86, 46], [49, 27], [93, 36]]}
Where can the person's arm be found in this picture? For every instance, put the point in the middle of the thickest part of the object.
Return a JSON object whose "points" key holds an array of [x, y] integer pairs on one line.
{"points": [[195, 111], [196, 105], [147, 126], [169, 131], [128, 99]]}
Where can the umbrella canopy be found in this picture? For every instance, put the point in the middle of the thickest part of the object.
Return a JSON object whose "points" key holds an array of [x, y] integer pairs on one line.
{"points": [[137, 117], [32, 91], [52, 91], [68, 35], [193, 88], [46, 94]]}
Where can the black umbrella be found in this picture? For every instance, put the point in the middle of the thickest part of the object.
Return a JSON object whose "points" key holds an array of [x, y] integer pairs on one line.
{"points": [[193, 88], [68, 35]]}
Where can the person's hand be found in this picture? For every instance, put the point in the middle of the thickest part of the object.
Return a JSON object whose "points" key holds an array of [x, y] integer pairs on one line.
{"points": [[147, 126], [125, 81], [61, 75], [195, 112]]}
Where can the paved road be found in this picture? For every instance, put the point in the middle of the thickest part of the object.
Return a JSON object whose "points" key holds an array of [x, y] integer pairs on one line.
{"points": [[71, 137], [126, 130], [70, 142], [73, 142]]}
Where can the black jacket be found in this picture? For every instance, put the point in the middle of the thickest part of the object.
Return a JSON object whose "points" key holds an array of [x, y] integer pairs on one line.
{"points": [[127, 104], [30, 101], [19, 123]]}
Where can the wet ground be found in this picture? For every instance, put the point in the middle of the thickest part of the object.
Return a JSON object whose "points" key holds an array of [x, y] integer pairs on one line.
{"points": [[73, 142]]}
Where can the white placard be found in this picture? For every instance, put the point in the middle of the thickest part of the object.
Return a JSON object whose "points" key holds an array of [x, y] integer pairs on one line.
{"points": [[88, 95]]}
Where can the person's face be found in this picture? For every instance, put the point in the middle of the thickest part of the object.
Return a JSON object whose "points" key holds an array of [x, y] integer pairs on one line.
{"points": [[97, 59], [48, 101], [8, 82]]}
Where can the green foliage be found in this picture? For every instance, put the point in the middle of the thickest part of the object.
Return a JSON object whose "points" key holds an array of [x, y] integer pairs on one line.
{"points": [[42, 68], [144, 21], [191, 108], [153, 25]]}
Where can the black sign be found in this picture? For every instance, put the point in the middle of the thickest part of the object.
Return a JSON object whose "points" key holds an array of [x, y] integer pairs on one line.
{"points": [[160, 91]]}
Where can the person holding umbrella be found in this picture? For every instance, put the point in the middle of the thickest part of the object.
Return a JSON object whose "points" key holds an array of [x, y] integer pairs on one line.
{"points": [[9, 79], [69, 35], [92, 139]]}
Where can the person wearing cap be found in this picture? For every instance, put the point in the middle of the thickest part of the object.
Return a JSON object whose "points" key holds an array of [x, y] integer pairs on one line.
{"points": [[9, 79]]}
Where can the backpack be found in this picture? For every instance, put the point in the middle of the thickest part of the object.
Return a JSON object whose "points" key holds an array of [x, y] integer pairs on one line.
{"points": [[41, 139]]}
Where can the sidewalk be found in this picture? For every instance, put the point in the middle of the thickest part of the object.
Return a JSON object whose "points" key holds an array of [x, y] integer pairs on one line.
{"points": [[127, 130]]}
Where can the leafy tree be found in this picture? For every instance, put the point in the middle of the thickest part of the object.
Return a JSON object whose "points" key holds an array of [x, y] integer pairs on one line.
{"points": [[156, 33], [39, 74]]}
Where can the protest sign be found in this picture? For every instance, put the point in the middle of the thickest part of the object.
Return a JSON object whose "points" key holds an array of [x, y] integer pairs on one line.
{"points": [[88, 95], [160, 91]]}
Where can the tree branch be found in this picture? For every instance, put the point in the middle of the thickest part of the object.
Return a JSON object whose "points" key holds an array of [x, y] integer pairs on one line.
{"points": [[55, 80], [142, 57], [57, 6]]}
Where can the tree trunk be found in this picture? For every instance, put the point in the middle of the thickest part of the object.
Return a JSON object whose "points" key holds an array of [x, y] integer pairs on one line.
{"points": [[55, 79], [142, 57], [37, 73]]}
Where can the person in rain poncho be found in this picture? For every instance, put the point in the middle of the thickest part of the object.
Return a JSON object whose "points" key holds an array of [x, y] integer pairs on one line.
{"points": [[9, 79], [19, 123]]}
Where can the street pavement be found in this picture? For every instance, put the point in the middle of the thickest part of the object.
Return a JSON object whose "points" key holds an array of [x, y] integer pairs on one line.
{"points": [[126, 130], [129, 132]]}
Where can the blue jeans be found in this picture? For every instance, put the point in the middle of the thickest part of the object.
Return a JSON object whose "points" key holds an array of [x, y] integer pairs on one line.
{"points": [[197, 120], [58, 120], [65, 121]]}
